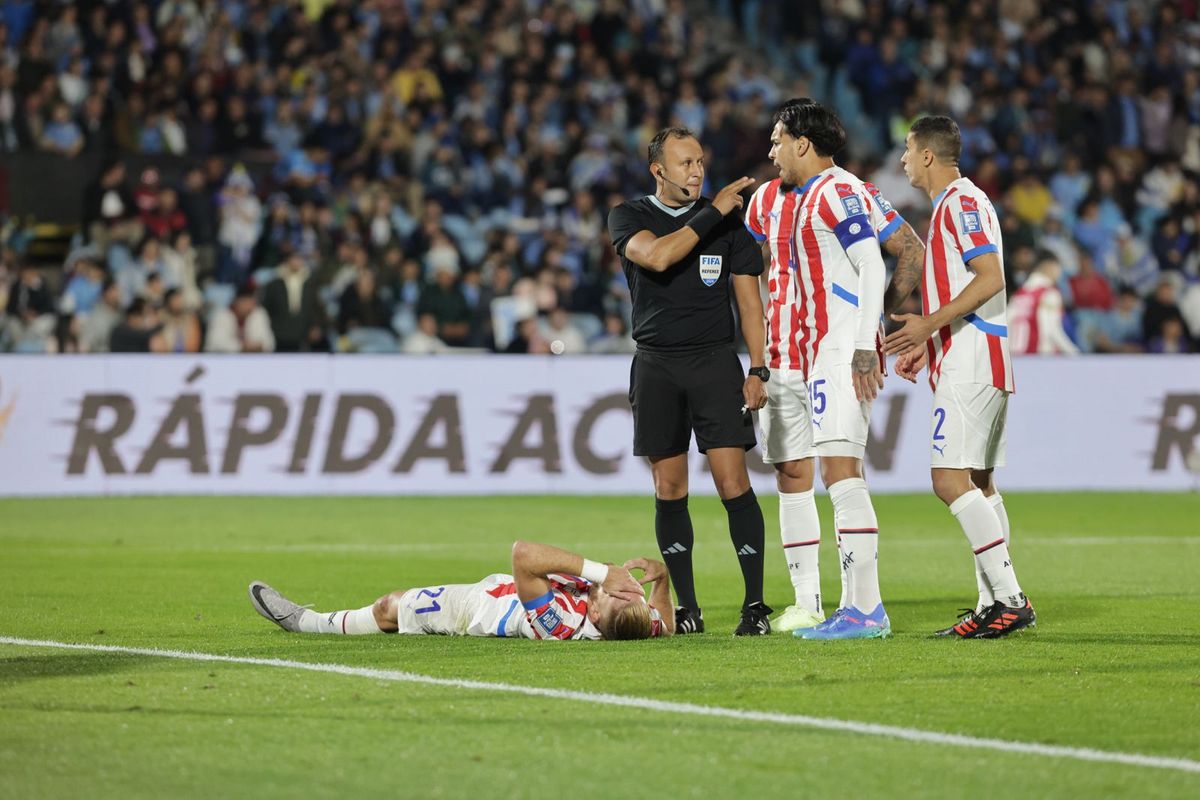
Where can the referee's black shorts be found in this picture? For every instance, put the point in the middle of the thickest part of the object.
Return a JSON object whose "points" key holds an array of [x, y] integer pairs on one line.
{"points": [[673, 394]]}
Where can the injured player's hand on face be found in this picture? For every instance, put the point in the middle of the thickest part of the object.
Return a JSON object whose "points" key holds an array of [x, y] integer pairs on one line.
{"points": [[617, 618]]}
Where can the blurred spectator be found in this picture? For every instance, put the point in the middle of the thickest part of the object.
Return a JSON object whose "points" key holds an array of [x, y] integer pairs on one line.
{"points": [[1189, 307], [110, 214], [1090, 289], [527, 338], [95, 328], [615, 339], [164, 219], [61, 135], [1160, 308], [297, 319], [29, 315], [443, 298], [1069, 186], [364, 320], [1120, 330], [1172, 244], [84, 287], [564, 338], [243, 327], [139, 331], [239, 228], [1172, 339], [1096, 236], [459, 135], [424, 340], [180, 268], [1030, 199], [181, 326]]}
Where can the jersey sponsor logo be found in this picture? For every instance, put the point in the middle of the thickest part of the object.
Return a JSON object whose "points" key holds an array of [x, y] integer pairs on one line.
{"points": [[969, 204], [855, 228], [969, 221], [710, 269]]}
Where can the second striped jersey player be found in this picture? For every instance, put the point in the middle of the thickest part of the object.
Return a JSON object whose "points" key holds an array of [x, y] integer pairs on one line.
{"points": [[962, 336]]}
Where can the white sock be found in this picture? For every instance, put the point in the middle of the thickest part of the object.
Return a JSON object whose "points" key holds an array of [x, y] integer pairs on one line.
{"points": [[986, 598], [356, 622], [982, 528], [800, 530], [858, 530], [841, 566]]}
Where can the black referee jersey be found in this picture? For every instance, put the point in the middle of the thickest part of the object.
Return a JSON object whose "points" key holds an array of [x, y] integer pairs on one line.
{"points": [[686, 307]]}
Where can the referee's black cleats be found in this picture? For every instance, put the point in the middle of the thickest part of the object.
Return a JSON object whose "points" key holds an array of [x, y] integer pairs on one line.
{"points": [[688, 621], [755, 620], [993, 622]]}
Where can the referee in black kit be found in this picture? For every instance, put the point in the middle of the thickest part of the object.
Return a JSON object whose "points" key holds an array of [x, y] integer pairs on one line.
{"points": [[679, 252]]}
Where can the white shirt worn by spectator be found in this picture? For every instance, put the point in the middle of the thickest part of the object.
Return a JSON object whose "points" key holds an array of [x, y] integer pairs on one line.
{"points": [[419, 343], [225, 336], [572, 340], [1189, 307]]}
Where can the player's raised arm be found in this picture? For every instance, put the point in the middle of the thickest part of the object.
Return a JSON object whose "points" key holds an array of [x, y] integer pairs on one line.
{"points": [[533, 562], [658, 253]]}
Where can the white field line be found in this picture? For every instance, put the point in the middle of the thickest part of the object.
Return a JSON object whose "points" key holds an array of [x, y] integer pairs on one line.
{"points": [[648, 704]]}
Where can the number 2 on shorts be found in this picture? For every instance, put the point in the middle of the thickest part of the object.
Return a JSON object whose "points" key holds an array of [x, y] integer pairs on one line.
{"points": [[940, 413]]}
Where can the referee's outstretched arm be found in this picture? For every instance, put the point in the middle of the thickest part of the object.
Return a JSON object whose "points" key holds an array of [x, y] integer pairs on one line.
{"points": [[659, 253]]}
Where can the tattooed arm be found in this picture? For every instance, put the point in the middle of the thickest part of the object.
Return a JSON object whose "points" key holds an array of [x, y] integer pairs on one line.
{"points": [[909, 251]]}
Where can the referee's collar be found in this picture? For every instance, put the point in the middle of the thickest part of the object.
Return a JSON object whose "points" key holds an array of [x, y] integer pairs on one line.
{"points": [[674, 212]]}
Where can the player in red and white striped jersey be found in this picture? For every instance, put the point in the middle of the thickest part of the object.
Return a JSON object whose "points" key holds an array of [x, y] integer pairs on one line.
{"points": [[826, 296], [542, 599], [811, 310], [962, 337], [1035, 314]]}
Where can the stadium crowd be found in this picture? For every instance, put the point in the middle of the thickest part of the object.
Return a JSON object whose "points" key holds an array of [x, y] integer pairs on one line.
{"points": [[427, 175]]}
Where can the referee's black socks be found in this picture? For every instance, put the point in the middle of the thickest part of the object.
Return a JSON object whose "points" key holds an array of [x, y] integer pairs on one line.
{"points": [[673, 528], [746, 531]]}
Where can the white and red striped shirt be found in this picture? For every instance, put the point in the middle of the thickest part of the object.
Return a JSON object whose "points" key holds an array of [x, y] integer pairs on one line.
{"points": [[974, 348], [804, 274], [1035, 316], [561, 613]]}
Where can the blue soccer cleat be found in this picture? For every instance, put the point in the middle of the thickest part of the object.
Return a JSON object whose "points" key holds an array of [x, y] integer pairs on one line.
{"points": [[850, 623]]}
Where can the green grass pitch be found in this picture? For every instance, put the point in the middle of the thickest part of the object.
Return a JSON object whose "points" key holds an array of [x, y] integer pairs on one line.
{"points": [[1113, 665]]}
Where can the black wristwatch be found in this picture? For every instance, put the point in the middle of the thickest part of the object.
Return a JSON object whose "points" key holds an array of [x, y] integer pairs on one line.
{"points": [[762, 373]]}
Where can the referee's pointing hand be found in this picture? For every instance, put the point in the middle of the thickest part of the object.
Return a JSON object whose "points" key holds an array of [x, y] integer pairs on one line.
{"points": [[730, 197]]}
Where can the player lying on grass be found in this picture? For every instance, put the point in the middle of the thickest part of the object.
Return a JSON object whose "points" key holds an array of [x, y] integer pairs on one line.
{"points": [[542, 599]]}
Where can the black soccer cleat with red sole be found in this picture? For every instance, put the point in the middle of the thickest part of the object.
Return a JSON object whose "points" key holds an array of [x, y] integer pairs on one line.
{"points": [[995, 621]]}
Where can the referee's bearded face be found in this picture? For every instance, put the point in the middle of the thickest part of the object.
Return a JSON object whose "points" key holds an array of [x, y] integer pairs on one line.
{"points": [[784, 154]]}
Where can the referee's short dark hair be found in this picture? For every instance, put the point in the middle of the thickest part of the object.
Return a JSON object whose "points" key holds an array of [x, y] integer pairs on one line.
{"points": [[803, 116], [654, 152], [941, 135]]}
